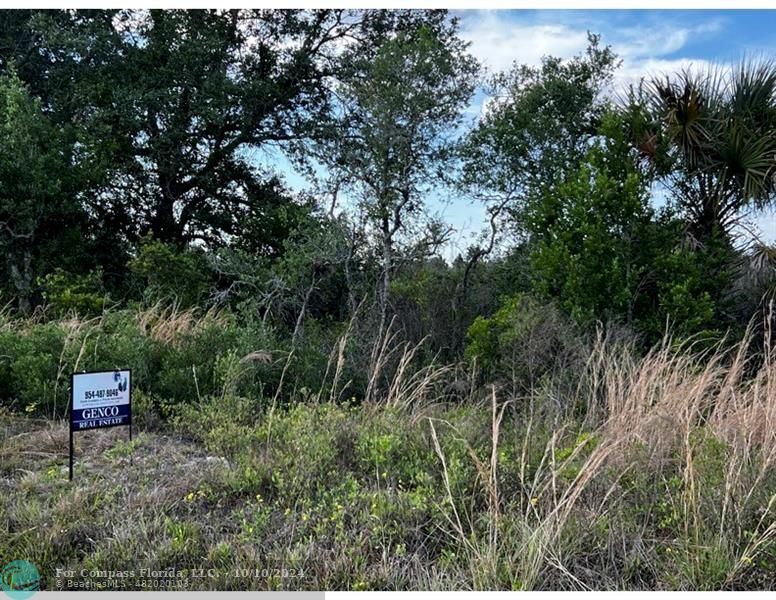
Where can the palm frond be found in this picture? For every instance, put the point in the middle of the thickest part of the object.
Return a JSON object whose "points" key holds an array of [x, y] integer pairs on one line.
{"points": [[753, 89], [749, 160], [689, 105], [720, 124], [758, 266]]}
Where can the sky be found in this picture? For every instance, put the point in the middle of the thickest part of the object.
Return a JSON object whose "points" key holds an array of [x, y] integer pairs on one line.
{"points": [[649, 42]]}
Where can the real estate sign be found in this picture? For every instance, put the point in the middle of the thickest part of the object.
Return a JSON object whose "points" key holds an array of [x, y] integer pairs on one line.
{"points": [[100, 399]]}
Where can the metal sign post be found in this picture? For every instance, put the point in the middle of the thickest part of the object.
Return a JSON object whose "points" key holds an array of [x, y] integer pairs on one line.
{"points": [[100, 399]]}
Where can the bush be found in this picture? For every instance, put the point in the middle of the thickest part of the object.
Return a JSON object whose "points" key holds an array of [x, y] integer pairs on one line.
{"points": [[32, 377], [175, 356], [170, 274], [66, 292], [524, 341]]}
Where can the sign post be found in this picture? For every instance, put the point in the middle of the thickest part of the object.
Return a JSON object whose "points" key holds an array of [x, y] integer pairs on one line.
{"points": [[99, 399]]}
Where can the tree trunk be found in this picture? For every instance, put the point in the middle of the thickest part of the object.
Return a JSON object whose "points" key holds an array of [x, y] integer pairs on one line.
{"points": [[164, 225], [386, 283], [302, 312], [352, 304], [21, 276]]}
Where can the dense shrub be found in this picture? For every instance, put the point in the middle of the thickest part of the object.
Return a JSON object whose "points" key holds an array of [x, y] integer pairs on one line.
{"points": [[170, 274], [177, 356], [31, 375], [660, 477], [66, 292], [525, 341]]}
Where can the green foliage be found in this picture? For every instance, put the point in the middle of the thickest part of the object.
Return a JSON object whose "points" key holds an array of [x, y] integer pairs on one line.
{"points": [[31, 160], [389, 141], [553, 110], [422, 295], [128, 175], [587, 250], [600, 251], [164, 131], [67, 292], [30, 378], [524, 341], [709, 134], [690, 289], [311, 270], [364, 497], [686, 302], [176, 358], [171, 275]]}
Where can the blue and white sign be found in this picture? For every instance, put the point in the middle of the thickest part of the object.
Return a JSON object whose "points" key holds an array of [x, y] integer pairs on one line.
{"points": [[101, 399]]}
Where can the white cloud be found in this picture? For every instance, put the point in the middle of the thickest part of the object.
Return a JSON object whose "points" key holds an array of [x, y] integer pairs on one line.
{"points": [[644, 50], [501, 38], [498, 40], [651, 40], [634, 69]]}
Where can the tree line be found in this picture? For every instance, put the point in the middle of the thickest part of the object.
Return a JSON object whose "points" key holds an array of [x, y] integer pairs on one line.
{"points": [[140, 152]]}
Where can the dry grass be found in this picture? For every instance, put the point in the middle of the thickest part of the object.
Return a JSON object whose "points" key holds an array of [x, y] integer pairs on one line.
{"points": [[665, 479], [399, 380], [168, 323], [671, 403]]}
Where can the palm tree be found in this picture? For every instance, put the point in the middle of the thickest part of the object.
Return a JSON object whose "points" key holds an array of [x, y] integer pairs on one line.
{"points": [[711, 137]]}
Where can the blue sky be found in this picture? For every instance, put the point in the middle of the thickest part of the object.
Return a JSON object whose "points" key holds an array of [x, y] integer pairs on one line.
{"points": [[649, 42]]}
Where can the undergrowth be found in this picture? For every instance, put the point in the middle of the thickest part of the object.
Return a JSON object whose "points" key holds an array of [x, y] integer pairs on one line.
{"points": [[651, 472]]}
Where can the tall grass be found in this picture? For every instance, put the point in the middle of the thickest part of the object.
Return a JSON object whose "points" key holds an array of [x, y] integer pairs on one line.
{"points": [[698, 429], [653, 470]]}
